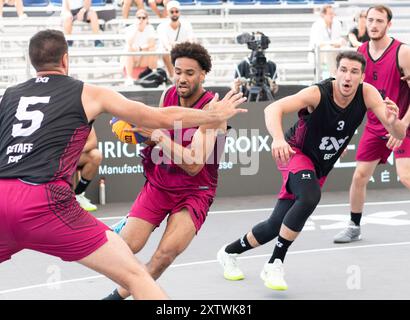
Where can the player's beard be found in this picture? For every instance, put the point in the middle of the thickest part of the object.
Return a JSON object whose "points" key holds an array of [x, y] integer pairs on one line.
{"points": [[382, 34], [174, 18], [190, 92]]}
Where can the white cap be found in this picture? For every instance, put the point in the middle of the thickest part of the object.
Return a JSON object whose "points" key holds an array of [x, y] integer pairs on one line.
{"points": [[173, 4]]}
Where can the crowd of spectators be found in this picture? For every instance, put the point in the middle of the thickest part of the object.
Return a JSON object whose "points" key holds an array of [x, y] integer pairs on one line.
{"points": [[141, 36]]}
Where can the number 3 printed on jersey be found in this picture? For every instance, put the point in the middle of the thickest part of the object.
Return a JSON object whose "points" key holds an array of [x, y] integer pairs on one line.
{"points": [[36, 116], [341, 125]]}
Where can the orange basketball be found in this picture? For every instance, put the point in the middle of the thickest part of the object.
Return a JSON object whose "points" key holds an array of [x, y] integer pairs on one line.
{"points": [[118, 127]]}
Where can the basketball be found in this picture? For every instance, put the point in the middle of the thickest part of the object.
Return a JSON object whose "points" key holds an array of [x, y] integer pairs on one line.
{"points": [[118, 127]]}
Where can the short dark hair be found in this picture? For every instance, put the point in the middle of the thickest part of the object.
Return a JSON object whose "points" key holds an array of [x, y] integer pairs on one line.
{"points": [[351, 55], [382, 8], [193, 51], [46, 49]]}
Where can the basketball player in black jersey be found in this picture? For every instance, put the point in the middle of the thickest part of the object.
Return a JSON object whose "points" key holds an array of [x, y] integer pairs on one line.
{"points": [[329, 113], [44, 124]]}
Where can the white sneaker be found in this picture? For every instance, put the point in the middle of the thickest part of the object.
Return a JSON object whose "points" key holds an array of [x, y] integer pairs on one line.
{"points": [[273, 275], [349, 234], [23, 16], [229, 265], [85, 203]]}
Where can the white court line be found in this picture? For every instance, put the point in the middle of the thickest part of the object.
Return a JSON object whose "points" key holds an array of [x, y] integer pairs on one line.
{"points": [[271, 208], [42, 285], [51, 284]]}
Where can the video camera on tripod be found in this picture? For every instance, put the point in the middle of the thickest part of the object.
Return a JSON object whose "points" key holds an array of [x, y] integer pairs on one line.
{"points": [[259, 78]]}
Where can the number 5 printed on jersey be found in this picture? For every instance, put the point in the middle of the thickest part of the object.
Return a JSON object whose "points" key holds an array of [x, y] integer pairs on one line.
{"points": [[36, 116]]}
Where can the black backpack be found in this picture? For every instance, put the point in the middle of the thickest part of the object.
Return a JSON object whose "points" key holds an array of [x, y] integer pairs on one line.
{"points": [[152, 79]]}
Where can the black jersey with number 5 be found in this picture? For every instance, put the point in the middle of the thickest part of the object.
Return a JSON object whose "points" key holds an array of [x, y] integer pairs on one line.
{"points": [[323, 134], [43, 129]]}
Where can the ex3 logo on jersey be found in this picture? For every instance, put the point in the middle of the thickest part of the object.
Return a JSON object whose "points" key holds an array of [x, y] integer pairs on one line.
{"points": [[42, 79], [330, 144]]}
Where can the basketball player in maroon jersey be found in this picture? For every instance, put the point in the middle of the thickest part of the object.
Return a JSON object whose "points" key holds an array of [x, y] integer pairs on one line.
{"points": [[185, 188], [388, 65], [44, 125]]}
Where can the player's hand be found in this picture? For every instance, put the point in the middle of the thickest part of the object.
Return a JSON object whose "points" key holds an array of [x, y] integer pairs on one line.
{"points": [[281, 151], [392, 111], [393, 143], [227, 107], [146, 132]]}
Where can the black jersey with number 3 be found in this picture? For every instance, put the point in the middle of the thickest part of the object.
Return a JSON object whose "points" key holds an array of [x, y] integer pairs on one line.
{"points": [[323, 134], [43, 129]]}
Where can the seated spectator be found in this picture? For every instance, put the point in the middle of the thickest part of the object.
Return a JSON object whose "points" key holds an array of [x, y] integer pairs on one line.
{"points": [[79, 10], [326, 32], [88, 164], [140, 36], [126, 6], [171, 31], [155, 4], [358, 34], [17, 3]]}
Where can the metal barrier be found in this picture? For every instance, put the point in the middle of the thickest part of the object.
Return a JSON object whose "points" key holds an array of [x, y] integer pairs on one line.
{"points": [[317, 67], [213, 53]]}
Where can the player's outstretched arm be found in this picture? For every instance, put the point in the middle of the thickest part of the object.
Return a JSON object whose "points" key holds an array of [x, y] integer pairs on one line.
{"points": [[97, 100], [308, 97]]}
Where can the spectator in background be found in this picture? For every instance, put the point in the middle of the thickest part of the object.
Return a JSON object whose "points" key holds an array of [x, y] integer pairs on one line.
{"points": [[126, 6], [19, 8], [173, 30], [79, 10], [326, 32], [358, 34], [140, 36], [155, 4]]}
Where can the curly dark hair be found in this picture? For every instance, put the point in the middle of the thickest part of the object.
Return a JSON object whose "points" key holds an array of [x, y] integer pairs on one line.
{"points": [[194, 51]]}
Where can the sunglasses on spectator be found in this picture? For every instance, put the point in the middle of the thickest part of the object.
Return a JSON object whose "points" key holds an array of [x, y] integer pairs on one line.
{"points": [[174, 11], [142, 18]]}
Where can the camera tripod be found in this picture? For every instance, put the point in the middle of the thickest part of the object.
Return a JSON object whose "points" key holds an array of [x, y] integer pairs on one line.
{"points": [[258, 92]]}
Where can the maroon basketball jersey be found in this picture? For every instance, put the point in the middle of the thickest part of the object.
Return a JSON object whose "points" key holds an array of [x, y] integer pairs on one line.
{"points": [[384, 73], [170, 176]]}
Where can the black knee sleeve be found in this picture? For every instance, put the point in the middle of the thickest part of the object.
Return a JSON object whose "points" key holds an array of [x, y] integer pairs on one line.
{"points": [[268, 230], [305, 186]]}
